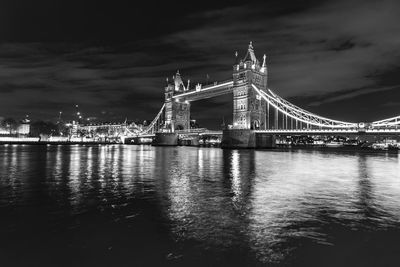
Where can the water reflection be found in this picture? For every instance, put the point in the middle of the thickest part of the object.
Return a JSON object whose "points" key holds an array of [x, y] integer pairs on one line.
{"points": [[239, 169], [207, 194], [384, 180], [264, 202], [298, 195]]}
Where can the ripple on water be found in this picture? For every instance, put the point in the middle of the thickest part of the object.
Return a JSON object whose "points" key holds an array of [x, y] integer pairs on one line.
{"points": [[268, 206]]}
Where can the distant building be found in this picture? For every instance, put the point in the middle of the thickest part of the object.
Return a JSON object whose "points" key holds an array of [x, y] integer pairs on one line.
{"points": [[24, 129], [4, 131], [21, 128]]}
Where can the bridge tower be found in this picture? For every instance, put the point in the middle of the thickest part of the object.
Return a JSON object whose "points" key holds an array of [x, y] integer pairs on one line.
{"points": [[249, 111], [177, 112]]}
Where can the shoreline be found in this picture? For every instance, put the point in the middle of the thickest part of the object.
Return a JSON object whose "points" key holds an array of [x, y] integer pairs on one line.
{"points": [[58, 143], [278, 148]]}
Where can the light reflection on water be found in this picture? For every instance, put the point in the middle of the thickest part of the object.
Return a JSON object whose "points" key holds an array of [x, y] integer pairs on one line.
{"points": [[262, 201]]}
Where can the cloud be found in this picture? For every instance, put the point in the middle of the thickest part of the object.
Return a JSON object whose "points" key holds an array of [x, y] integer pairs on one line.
{"points": [[353, 94], [325, 48], [318, 51], [391, 104]]}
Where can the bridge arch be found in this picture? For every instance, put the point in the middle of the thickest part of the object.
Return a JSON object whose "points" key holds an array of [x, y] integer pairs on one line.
{"points": [[179, 127]]}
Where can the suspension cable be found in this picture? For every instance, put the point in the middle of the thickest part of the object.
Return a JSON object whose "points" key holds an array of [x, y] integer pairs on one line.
{"points": [[300, 114], [151, 125]]}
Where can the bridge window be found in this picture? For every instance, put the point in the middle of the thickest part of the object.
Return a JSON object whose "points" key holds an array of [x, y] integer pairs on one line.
{"points": [[241, 104], [241, 93]]}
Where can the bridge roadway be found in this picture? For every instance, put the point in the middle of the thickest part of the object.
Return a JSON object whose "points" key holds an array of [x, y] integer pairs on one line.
{"points": [[200, 131], [203, 131], [332, 131]]}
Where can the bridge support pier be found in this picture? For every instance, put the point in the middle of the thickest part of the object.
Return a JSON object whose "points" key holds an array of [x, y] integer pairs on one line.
{"points": [[193, 141], [244, 138], [264, 140], [138, 140], [165, 139]]}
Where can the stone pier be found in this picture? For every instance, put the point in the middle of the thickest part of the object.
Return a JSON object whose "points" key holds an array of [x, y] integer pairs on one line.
{"points": [[165, 139], [244, 138]]}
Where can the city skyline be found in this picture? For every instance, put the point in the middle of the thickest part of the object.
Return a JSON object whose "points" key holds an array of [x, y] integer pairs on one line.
{"points": [[320, 55]]}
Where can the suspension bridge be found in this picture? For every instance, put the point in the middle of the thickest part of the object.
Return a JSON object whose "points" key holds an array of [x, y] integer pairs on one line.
{"points": [[259, 113]]}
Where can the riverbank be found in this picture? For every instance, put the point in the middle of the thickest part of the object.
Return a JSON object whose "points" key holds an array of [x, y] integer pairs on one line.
{"points": [[39, 141], [367, 149]]}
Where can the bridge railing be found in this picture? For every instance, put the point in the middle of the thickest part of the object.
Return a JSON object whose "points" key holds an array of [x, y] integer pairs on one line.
{"points": [[194, 130], [338, 131], [217, 83]]}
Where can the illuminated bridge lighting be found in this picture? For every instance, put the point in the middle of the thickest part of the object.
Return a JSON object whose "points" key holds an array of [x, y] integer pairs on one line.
{"points": [[249, 88]]}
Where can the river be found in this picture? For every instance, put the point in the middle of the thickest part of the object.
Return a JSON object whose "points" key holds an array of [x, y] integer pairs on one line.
{"points": [[125, 205]]}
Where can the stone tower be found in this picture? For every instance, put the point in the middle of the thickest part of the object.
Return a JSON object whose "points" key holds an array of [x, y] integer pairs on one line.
{"points": [[249, 110], [177, 112]]}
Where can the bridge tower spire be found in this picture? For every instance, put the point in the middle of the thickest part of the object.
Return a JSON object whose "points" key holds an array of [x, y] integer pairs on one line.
{"points": [[249, 110], [264, 65]]}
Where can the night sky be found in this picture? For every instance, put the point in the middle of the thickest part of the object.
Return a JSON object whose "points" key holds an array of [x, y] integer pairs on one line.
{"points": [[339, 59]]}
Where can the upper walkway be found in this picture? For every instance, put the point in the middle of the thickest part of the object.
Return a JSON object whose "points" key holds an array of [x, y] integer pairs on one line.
{"points": [[208, 91]]}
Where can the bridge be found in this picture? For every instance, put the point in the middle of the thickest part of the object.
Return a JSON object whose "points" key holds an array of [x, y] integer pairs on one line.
{"points": [[259, 113]]}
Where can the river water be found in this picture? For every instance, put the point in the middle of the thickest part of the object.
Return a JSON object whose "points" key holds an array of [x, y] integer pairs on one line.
{"points": [[120, 205]]}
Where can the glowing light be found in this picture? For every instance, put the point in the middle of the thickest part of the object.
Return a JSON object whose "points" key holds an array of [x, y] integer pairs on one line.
{"points": [[235, 171], [230, 83], [330, 123]]}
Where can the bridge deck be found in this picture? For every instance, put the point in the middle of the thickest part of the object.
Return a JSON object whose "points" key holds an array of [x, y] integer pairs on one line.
{"points": [[332, 131]]}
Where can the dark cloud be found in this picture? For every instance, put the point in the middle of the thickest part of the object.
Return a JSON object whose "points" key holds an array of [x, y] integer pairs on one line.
{"points": [[116, 57], [391, 104], [336, 97]]}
